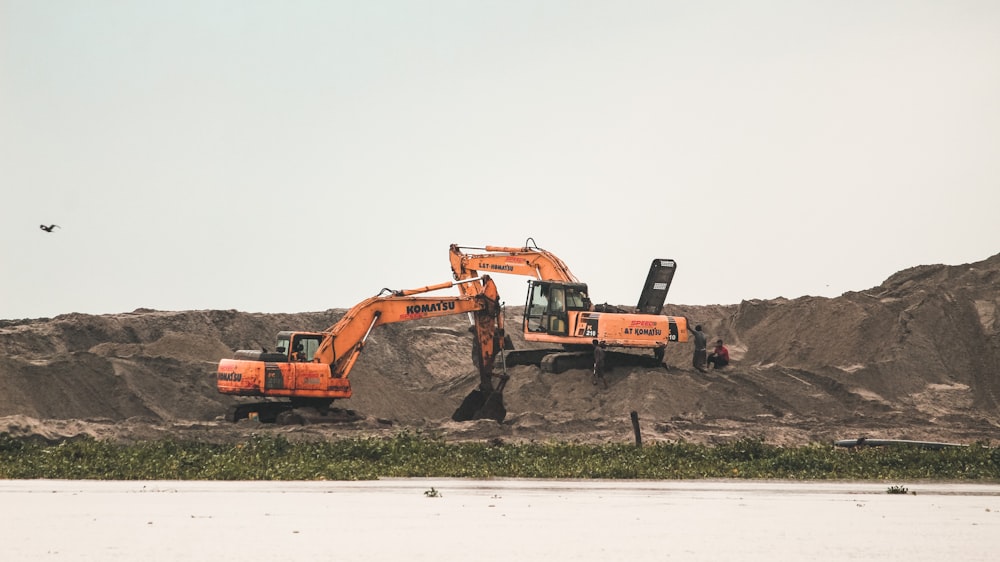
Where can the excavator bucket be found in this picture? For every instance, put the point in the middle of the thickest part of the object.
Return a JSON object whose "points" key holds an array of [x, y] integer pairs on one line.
{"points": [[483, 405], [493, 408], [486, 402], [654, 292], [472, 404], [478, 406]]}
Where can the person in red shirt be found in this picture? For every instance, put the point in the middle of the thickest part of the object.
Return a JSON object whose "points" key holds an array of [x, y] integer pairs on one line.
{"points": [[719, 357]]}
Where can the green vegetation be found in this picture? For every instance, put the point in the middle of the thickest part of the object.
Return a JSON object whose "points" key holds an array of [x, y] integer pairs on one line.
{"points": [[417, 455]]}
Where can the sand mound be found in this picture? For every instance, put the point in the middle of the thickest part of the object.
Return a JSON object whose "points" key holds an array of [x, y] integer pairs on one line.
{"points": [[917, 357]]}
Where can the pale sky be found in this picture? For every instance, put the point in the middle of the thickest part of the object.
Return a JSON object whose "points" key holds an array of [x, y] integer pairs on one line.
{"points": [[288, 156]]}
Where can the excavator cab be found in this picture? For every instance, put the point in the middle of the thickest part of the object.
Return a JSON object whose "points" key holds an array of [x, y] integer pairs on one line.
{"points": [[549, 304], [298, 346]]}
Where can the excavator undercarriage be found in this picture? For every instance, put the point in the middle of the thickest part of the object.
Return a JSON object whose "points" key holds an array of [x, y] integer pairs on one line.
{"points": [[557, 360], [292, 412]]}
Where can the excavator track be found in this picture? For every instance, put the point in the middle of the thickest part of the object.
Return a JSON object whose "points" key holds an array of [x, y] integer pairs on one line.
{"points": [[566, 360], [563, 361], [264, 412], [529, 356], [560, 361], [312, 416], [294, 412]]}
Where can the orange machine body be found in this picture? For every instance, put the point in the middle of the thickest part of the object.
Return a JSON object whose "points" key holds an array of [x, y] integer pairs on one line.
{"points": [[558, 308], [310, 366]]}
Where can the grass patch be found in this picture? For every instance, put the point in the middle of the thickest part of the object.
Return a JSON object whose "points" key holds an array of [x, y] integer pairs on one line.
{"points": [[417, 455]]}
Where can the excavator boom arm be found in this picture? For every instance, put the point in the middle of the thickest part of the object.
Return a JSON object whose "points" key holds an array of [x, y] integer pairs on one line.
{"points": [[528, 261], [345, 339]]}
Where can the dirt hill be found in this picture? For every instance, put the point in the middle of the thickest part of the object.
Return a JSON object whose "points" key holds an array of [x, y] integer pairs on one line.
{"points": [[917, 357]]}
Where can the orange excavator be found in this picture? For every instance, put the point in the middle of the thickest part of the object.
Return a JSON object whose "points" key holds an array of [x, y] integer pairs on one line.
{"points": [[559, 310], [309, 370]]}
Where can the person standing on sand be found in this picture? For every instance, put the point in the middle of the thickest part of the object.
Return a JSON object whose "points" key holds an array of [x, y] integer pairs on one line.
{"points": [[599, 353], [700, 349]]}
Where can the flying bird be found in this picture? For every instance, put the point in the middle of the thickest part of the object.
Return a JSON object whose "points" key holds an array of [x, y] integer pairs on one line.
{"points": [[49, 227]]}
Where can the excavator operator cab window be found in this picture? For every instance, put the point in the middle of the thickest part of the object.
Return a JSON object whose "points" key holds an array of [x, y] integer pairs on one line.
{"points": [[555, 320], [305, 347], [545, 310], [575, 300], [282, 345], [557, 300]]}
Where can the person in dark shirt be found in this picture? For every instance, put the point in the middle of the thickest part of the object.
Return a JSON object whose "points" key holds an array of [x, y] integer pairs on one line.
{"points": [[700, 349], [599, 352]]}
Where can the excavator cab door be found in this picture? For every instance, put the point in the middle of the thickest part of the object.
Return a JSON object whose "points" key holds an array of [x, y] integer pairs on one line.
{"points": [[548, 305], [654, 292], [555, 318], [536, 307]]}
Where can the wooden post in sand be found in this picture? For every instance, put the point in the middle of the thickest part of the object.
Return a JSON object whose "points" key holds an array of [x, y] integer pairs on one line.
{"points": [[635, 428]]}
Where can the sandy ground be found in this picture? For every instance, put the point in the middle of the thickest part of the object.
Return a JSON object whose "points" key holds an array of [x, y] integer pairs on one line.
{"points": [[444, 519], [917, 357]]}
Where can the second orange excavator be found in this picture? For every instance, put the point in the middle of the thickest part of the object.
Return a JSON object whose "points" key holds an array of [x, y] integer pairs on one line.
{"points": [[309, 370], [559, 310]]}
